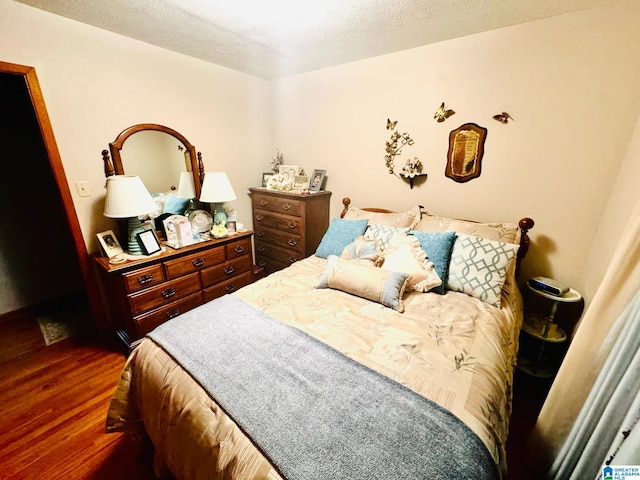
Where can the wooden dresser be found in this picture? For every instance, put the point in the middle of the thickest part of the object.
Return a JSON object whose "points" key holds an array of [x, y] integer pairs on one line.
{"points": [[141, 294], [288, 226]]}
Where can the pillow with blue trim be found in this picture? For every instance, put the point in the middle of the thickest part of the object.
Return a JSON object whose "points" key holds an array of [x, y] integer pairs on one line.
{"points": [[340, 233], [478, 267], [437, 246], [376, 284]]}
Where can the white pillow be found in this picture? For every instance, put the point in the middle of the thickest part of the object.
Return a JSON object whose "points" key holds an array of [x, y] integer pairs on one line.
{"points": [[478, 267], [406, 256]]}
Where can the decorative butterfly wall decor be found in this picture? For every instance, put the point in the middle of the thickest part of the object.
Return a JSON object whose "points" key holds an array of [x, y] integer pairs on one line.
{"points": [[503, 117], [442, 113]]}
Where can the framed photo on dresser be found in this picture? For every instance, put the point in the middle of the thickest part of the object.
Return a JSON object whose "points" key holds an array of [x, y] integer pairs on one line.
{"points": [[316, 180], [109, 245]]}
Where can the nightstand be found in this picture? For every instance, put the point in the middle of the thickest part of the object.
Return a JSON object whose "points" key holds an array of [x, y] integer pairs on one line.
{"points": [[542, 341]]}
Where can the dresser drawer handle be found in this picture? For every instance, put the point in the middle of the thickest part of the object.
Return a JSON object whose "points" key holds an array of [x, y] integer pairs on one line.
{"points": [[259, 217], [239, 249], [230, 288], [292, 242], [229, 270], [168, 293], [144, 279], [292, 225], [260, 234], [262, 248], [263, 202], [198, 262], [173, 314], [293, 259], [262, 263], [286, 206]]}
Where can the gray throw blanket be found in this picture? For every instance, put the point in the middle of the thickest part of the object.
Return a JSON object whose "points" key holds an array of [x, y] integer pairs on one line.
{"points": [[314, 412]]}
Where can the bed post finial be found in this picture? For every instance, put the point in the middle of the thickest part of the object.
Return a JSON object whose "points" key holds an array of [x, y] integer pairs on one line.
{"points": [[346, 201], [525, 225]]}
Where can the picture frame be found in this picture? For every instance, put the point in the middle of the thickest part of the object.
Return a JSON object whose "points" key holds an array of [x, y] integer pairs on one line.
{"points": [[292, 170], [231, 227], [316, 180], [301, 183], [265, 178], [109, 245], [148, 242], [466, 149]]}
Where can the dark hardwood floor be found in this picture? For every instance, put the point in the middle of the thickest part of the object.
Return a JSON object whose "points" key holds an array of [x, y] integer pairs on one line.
{"points": [[54, 402]]}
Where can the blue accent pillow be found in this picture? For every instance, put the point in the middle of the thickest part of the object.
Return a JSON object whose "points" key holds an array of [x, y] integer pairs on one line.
{"points": [[340, 233], [175, 205], [437, 246]]}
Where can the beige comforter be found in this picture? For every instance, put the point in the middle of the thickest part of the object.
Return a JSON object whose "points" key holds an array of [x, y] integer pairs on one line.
{"points": [[452, 348]]}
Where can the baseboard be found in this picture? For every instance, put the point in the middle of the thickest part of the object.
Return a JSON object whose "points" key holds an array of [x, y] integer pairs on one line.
{"points": [[44, 306]]}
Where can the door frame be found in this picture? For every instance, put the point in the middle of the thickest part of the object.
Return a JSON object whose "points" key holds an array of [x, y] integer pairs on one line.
{"points": [[51, 146]]}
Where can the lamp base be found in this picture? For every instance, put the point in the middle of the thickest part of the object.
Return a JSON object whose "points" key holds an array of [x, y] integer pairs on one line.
{"points": [[219, 215], [134, 227]]}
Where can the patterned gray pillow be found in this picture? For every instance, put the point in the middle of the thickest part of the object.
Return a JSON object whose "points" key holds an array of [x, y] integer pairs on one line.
{"points": [[478, 267]]}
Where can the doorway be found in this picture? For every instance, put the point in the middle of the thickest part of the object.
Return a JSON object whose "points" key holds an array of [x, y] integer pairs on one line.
{"points": [[43, 258]]}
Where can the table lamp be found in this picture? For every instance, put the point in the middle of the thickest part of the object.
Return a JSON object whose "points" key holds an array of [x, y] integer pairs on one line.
{"points": [[217, 189], [186, 187], [127, 197]]}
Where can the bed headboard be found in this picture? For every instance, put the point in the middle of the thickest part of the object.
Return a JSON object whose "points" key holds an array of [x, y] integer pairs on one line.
{"points": [[525, 224]]}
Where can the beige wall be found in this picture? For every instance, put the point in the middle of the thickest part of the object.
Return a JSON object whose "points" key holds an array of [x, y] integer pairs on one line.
{"points": [[570, 82], [96, 84]]}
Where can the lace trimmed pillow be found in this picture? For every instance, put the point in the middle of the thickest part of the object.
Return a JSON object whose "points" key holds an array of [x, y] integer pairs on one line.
{"points": [[407, 256]]}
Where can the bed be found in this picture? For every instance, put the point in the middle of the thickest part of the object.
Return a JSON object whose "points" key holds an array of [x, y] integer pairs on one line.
{"points": [[369, 301]]}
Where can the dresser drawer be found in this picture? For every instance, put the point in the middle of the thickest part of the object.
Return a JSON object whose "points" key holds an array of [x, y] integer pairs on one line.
{"points": [[229, 286], [143, 278], [286, 240], [285, 223], [227, 270], [282, 255], [269, 264], [194, 262], [278, 204], [165, 293], [239, 248], [148, 321]]}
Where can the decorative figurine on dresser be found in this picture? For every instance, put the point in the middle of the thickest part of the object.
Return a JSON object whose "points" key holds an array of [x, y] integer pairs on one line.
{"points": [[158, 278], [288, 226], [543, 341]]}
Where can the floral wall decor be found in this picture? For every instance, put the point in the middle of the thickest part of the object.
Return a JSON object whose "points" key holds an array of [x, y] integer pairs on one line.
{"points": [[412, 169]]}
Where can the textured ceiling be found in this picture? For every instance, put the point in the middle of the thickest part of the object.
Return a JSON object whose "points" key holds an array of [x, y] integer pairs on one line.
{"points": [[273, 38]]}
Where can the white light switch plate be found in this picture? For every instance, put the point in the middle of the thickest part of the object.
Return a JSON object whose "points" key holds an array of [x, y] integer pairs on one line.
{"points": [[83, 188]]}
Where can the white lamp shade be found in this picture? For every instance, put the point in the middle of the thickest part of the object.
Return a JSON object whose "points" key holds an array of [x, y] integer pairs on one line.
{"points": [[186, 188], [216, 188], [127, 197]]}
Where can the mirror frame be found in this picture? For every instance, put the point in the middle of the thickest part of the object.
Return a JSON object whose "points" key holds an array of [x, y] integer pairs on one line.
{"points": [[113, 164]]}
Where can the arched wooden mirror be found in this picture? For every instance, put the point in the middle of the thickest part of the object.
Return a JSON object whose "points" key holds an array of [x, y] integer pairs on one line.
{"points": [[157, 154]]}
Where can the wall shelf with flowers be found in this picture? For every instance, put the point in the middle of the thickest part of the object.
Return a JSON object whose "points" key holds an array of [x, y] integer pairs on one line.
{"points": [[412, 170]]}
